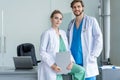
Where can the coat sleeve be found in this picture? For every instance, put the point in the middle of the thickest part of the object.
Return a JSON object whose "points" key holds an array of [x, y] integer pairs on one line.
{"points": [[44, 54], [97, 39]]}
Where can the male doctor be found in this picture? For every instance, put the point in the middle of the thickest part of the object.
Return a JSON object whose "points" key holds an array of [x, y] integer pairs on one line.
{"points": [[85, 40]]}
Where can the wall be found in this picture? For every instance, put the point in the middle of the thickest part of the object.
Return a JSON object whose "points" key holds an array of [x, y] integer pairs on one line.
{"points": [[91, 8], [25, 20], [115, 31]]}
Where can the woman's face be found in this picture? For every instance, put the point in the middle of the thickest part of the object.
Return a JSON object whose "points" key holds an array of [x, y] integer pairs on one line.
{"points": [[56, 20]]}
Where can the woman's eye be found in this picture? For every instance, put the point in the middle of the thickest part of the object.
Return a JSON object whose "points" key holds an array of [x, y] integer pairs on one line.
{"points": [[60, 18], [56, 17]]}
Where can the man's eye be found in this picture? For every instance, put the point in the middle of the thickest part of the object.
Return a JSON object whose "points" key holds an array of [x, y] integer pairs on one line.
{"points": [[74, 7], [78, 6]]}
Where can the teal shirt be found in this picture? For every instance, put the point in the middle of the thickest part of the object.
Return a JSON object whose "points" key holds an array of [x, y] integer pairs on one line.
{"points": [[77, 71], [62, 47]]}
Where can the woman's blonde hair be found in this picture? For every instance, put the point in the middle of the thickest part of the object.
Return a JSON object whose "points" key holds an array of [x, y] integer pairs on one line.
{"points": [[55, 12]]}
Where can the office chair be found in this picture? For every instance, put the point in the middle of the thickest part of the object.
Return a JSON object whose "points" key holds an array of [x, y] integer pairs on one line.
{"points": [[27, 49]]}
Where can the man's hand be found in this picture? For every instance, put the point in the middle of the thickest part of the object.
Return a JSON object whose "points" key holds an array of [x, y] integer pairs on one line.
{"points": [[69, 67]]}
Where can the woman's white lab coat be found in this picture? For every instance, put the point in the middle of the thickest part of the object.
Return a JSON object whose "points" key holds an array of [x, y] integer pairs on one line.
{"points": [[92, 43], [48, 47]]}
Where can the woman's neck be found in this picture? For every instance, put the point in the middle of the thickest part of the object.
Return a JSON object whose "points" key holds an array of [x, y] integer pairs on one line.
{"points": [[56, 30]]}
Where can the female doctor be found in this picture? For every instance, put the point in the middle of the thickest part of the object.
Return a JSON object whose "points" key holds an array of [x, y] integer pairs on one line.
{"points": [[52, 41]]}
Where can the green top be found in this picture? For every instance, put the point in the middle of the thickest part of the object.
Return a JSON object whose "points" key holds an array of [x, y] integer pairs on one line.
{"points": [[77, 71], [62, 47]]}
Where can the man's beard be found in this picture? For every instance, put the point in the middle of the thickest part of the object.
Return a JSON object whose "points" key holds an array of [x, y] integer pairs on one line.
{"points": [[78, 14]]}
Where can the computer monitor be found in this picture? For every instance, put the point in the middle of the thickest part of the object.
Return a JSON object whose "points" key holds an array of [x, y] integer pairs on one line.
{"points": [[23, 62]]}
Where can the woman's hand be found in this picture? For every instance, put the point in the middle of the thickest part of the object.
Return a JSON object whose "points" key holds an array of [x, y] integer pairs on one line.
{"points": [[56, 68], [69, 67]]}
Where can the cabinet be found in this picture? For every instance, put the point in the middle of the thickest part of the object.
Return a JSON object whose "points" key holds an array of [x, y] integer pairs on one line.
{"points": [[11, 74]]}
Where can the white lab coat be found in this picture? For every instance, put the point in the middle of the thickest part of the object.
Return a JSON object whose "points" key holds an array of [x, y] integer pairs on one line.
{"points": [[48, 47], [92, 43]]}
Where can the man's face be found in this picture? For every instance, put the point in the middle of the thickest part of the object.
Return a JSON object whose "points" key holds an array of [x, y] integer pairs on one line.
{"points": [[77, 9]]}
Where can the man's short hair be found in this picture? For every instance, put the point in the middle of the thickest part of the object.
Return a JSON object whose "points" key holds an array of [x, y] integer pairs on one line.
{"points": [[75, 1]]}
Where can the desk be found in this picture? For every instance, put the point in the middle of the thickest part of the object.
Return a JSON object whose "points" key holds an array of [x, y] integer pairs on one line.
{"points": [[30, 74], [12, 74]]}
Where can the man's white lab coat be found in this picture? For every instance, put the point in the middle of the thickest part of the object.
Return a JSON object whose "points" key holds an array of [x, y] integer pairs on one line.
{"points": [[92, 43]]}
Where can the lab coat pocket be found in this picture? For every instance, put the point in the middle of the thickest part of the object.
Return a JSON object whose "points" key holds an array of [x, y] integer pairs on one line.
{"points": [[92, 59]]}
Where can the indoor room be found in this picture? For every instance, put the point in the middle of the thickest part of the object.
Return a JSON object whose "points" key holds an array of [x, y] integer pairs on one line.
{"points": [[23, 22]]}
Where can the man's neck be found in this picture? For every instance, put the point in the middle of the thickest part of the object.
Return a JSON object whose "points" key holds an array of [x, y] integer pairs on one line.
{"points": [[79, 18]]}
